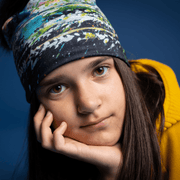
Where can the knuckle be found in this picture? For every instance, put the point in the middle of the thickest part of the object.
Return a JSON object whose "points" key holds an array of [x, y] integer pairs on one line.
{"points": [[43, 125], [46, 121], [57, 147], [36, 117], [45, 145], [56, 144], [56, 133], [39, 116]]}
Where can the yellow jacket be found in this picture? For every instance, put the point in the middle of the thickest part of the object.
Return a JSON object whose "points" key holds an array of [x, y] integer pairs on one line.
{"points": [[170, 142]]}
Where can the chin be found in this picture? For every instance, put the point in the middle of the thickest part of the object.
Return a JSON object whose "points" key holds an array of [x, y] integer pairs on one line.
{"points": [[99, 142], [96, 138]]}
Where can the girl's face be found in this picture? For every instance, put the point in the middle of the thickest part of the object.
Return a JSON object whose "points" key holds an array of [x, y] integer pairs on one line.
{"points": [[88, 94]]}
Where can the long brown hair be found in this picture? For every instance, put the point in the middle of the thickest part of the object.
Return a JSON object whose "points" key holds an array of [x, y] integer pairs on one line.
{"points": [[140, 146]]}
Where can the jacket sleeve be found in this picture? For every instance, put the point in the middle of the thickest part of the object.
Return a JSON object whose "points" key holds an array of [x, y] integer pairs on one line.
{"points": [[170, 152]]}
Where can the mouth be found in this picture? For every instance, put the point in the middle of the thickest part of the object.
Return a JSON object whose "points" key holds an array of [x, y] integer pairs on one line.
{"points": [[101, 123]]}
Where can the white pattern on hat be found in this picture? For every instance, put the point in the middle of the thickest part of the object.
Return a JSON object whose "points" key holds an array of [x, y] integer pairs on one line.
{"points": [[37, 3]]}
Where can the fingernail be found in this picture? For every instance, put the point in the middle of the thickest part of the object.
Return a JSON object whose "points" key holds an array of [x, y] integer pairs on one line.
{"points": [[40, 107], [48, 113]]}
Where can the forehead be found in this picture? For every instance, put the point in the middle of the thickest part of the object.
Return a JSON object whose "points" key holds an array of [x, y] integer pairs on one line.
{"points": [[81, 65]]}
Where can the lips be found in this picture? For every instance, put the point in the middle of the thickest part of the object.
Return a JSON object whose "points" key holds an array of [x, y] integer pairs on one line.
{"points": [[94, 123]]}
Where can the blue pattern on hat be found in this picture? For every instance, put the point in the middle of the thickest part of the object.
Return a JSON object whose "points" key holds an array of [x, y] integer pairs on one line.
{"points": [[56, 32]]}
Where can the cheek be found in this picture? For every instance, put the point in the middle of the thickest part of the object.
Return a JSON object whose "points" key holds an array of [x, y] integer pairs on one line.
{"points": [[66, 114], [118, 98], [62, 111], [116, 91]]}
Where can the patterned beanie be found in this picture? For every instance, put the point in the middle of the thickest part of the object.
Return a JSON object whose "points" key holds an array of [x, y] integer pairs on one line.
{"points": [[48, 34]]}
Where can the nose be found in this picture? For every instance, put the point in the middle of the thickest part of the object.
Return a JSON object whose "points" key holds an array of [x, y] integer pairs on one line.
{"points": [[88, 99]]}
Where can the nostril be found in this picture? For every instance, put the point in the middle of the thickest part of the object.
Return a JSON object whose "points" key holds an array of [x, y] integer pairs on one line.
{"points": [[87, 108], [82, 111], [87, 98]]}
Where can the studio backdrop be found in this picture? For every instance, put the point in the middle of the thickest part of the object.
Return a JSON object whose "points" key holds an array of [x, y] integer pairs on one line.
{"points": [[146, 29]]}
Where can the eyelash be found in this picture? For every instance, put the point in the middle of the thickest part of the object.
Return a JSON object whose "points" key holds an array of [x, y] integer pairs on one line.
{"points": [[105, 68], [63, 87]]}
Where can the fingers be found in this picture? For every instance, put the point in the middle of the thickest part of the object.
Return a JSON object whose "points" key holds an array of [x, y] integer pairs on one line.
{"points": [[46, 133], [38, 118], [59, 141], [42, 125], [106, 158], [43, 131]]}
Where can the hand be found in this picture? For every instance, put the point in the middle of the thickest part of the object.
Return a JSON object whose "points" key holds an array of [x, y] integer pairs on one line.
{"points": [[107, 158]]}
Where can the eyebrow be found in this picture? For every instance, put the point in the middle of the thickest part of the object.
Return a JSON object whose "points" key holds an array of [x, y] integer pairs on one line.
{"points": [[52, 81], [91, 65]]}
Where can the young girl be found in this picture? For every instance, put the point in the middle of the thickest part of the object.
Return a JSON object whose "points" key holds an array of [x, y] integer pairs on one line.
{"points": [[94, 114]]}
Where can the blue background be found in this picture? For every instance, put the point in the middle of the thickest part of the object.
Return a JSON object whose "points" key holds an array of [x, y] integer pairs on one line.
{"points": [[147, 29]]}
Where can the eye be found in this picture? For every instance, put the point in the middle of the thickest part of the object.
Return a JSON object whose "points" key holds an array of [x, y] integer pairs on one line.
{"points": [[57, 89], [100, 71]]}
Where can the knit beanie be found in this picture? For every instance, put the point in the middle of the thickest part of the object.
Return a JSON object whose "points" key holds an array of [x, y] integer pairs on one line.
{"points": [[48, 34]]}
